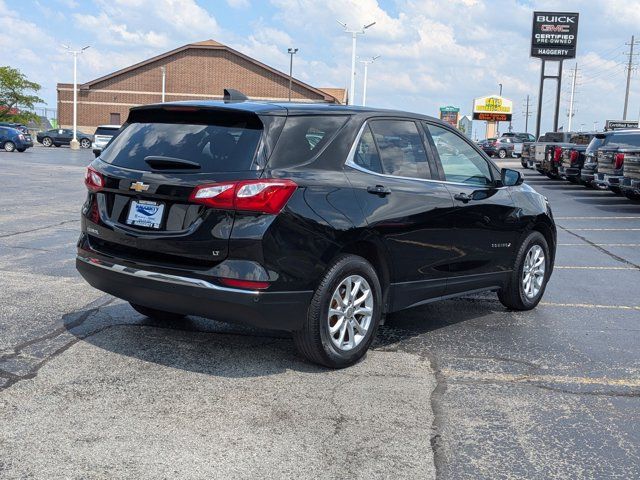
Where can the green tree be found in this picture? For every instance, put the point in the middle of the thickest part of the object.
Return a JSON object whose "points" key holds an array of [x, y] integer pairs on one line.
{"points": [[17, 93]]}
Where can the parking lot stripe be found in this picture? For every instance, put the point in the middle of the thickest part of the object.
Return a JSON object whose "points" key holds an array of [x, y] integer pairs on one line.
{"points": [[634, 217], [599, 245], [559, 379], [589, 305], [603, 229], [570, 267]]}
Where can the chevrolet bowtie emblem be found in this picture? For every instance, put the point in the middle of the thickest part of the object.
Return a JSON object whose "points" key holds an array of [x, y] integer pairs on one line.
{"points": [[139, 187]]}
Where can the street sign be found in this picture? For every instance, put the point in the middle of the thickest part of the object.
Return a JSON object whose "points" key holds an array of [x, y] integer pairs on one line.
{"points": [[554, 35], [492, 108], [620, 124]]}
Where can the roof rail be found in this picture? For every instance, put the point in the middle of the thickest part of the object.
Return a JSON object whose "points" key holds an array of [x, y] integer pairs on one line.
{"points": [[231, 95]]}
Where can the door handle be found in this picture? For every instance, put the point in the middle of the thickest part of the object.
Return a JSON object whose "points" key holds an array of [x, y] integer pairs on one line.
{"points": [[380, 190], [463, 197]]}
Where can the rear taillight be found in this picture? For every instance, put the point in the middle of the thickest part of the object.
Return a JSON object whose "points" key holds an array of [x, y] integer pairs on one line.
{"points": [[619, 160], [244, 284], [21, 137], [557, 153], [495, 144], [265, 196], [573, 157], [93, 180]]}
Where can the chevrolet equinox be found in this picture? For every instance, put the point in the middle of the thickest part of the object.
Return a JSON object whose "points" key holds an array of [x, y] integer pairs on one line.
{"points": [[311, 218]]}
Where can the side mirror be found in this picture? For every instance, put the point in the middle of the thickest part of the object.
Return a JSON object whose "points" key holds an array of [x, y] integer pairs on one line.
{"points": [[510, 178]]}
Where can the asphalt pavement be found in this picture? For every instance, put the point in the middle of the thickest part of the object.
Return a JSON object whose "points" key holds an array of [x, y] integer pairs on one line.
{"points": [[458, 389]]}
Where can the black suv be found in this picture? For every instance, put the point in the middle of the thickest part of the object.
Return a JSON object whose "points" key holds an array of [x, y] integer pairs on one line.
{"points": [[316, 219]]}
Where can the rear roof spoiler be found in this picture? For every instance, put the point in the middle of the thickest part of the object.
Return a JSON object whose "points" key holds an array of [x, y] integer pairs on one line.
{"points": [[231, 95]]}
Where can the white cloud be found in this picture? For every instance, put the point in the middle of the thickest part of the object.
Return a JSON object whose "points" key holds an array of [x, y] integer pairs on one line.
{"points": [[238, 3]]}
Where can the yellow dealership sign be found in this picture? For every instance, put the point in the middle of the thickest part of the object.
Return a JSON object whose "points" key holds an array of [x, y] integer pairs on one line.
{"points": [[492, 108]]}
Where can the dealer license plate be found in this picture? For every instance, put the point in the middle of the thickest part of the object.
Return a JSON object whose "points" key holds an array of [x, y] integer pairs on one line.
{"points": [[145, 213]]}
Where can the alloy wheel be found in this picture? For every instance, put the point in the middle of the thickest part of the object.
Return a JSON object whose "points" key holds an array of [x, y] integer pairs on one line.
{"points": [[350, 312], [46, 142], [9, 146], [533, 271], [84, 143]]}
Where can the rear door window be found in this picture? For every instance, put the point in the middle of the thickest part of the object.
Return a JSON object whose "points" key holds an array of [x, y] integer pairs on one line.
{"points": [[401, 148], [224, 144], [366, 155]]}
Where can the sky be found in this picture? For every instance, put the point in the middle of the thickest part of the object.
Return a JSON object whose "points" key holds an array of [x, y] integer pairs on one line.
{"points": [[433, 53]]}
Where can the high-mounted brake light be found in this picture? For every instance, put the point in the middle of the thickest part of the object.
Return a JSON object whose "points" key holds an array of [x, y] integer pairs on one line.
{"points": [[93, 180], [265, 196], [619, 158]]}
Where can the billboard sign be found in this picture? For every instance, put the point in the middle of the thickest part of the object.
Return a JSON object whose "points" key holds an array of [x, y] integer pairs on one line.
{"points": [[492, 108], [450, 115], [620, 124], [554, 35]]}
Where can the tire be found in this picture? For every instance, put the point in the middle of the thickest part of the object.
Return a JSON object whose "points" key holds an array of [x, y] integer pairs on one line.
{"points": [[47, 142], [616, 190], [502, 153], [9, 146], [57, 145], [513, 295], [21, 150], [160, 315], [345, 346], [524, 164], [85, 143], [632, 196], [550, 175]]}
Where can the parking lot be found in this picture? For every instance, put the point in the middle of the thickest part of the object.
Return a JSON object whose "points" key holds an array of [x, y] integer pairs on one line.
{"points": [[457, 389]]}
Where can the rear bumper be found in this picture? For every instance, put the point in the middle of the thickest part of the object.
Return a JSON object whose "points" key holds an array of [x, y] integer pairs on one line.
{"points": [[631, 185], [193, 296]]}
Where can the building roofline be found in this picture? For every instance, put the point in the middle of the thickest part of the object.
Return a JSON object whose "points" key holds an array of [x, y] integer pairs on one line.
{"points": [[206, 45]]}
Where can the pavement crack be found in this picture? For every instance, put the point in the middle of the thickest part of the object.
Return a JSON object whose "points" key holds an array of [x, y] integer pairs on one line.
{"points": [[600, 248], [13, 234]]}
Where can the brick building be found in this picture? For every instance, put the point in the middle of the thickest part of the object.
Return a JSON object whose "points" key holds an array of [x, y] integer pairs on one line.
{"points": [[194, 71]]}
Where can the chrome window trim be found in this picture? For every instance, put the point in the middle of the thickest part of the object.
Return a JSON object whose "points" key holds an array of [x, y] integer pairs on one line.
{"points": [[351, 163]]}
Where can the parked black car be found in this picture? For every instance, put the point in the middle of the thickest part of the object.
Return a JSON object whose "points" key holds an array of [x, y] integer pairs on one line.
{"points": [[63, 136], [316, 219], [604, 159]]}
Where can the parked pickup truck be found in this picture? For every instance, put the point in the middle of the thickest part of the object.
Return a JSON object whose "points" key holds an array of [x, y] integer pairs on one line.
{"points": [[605, 163], [538, 151], [572, 157], [630, 185]]}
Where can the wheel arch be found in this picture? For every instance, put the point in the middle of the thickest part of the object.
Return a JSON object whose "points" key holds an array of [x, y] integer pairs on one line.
{"points": [[374, 252], [548, 231]]}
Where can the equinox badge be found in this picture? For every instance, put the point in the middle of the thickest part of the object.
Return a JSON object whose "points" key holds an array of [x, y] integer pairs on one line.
{"points": [[139, 187]]}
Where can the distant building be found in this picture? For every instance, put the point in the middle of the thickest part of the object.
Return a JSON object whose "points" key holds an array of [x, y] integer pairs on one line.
{"points": [[465, 125], [450, 115], [192, 72]]}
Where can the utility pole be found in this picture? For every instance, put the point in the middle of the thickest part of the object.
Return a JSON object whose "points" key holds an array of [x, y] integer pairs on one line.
{"points": [[366, 64], [163, 69], [354, 34], [74, 141], [573, 92], [526, 116], [292, 52], [629, 67]]}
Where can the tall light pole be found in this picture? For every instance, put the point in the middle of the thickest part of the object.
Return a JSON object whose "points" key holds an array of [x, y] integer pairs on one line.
{"points": [[74, 141], [354, 34], [573, 94], [498, 123], [366, 64], [163, 69], [292, 52]]}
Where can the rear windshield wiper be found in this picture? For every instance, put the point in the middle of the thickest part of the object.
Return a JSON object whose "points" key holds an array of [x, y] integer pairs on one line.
{"points": [[159, 162]]}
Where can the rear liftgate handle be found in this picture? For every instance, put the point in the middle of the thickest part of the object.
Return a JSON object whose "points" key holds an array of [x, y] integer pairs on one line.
{"points": [[380, 190], [463, 197]]}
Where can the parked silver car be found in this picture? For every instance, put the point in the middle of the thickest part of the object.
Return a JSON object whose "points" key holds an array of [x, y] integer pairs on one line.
{"points": [[104, 134], [508, 147]]}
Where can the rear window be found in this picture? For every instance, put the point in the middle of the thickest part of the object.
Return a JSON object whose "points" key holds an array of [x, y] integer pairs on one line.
{"points": [[623, 139], [594, 144], [106, 131], [224, 144]]}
